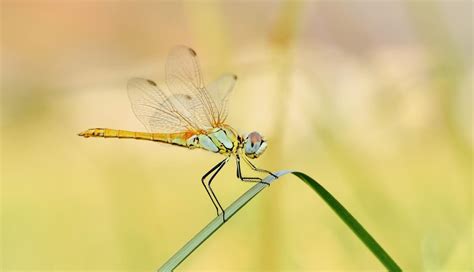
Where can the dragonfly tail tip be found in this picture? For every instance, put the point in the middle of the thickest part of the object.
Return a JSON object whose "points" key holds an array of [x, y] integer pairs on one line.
{"points": [[83, 134]]}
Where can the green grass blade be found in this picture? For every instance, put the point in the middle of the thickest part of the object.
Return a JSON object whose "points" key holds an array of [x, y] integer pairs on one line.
{"points": [[217, 222], [351, 222]]}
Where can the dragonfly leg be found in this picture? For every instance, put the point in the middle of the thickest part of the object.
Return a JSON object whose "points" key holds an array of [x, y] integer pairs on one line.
{"points": [[216, 169], [221, 165], [257, 169], [246, 179]]}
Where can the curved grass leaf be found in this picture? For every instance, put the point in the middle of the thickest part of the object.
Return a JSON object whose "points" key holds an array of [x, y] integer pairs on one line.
{"points": [[217, 222], [351, 222]]}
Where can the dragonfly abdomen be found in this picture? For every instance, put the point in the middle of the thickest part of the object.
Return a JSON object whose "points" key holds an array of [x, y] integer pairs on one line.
{"points": [[171, 138]]}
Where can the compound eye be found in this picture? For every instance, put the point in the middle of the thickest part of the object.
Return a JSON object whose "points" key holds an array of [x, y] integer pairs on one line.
{"points": [[253, 142], [263, 147]]}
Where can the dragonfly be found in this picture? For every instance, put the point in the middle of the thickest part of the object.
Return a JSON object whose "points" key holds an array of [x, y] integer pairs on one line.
{"points": [[191, 115]]}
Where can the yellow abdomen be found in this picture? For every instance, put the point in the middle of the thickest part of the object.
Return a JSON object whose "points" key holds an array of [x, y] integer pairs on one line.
{"points": [[171, 138]]}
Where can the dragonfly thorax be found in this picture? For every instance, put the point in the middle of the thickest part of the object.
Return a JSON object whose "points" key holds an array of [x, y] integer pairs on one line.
{"points": [[222, 140]]}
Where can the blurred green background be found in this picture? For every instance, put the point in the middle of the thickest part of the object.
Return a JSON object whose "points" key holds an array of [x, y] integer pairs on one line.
{"points": [[372, 99]]}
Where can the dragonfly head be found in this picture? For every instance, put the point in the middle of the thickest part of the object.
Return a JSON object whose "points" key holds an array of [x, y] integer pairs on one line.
{"points": [[254, 145]]}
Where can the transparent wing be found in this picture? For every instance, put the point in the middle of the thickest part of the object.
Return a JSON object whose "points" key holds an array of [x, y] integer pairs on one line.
{"points": [[188, 106], [183, 77], [220, 91], [160, 112]]}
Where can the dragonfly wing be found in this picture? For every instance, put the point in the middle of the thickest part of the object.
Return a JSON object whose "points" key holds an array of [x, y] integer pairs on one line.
{"points": [[158, 111], [183, 77], [220, 91], [188, 106]]}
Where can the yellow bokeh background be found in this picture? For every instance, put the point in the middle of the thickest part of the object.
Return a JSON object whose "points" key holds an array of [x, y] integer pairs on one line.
{"points": [[372, 99]]}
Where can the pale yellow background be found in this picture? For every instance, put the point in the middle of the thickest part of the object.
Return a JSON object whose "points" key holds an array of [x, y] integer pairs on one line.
{"points": [[372, 99]]}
